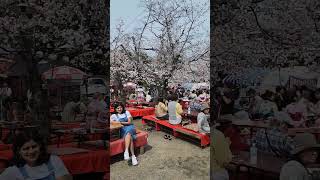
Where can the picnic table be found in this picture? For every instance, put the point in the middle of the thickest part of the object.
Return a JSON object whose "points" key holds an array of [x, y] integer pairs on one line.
{"points": [[266, 164], [138, 111], [256, 124], [313, 130], [81, 134]]}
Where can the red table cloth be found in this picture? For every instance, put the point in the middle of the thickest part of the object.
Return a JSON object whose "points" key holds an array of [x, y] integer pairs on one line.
{"points": [[139, 112]]}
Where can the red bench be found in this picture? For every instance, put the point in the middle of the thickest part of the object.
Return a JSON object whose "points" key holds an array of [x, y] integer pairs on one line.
{"points": [[118, 147], [177, 130]]}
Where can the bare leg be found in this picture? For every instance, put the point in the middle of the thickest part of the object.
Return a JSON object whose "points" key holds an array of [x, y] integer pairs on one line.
{"points": [[127, 141], [132, 148]]}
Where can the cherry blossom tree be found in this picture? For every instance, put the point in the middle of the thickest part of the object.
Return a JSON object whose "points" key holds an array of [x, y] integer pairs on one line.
{"points": [[60, 32], [263, 33], [169, 41]]}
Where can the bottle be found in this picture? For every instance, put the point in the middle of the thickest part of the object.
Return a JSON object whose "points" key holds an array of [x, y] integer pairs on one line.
{"points": [[253, 154]]}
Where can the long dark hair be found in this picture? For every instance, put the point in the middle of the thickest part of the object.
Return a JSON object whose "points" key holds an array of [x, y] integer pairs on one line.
{"points": [[24, 137], [123, 108], [161, 99]]}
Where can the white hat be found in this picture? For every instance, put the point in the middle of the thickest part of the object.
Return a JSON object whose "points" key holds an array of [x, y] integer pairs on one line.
{"points": [[304, 141], [204, 107]]}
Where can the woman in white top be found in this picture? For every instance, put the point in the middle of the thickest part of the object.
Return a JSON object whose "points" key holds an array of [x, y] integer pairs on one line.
{"points": [[128, 131], [31, 160]]}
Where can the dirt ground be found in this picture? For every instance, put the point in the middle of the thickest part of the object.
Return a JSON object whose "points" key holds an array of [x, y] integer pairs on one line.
{"points": [[164, 160]]}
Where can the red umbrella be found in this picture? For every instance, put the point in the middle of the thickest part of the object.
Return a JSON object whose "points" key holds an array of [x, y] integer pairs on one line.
{"points": [[64, 72]]}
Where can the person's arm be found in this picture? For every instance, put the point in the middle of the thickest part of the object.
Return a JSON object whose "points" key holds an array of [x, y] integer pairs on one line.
{"points": [[199, 121], [179, 109], [222, 152], [129, 119], [113, 120], [164, 107], [60, 170]]}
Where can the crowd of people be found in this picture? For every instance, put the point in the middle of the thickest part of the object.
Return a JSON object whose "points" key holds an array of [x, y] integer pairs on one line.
{"points": [[302, 104], [293, 107], [94, 112], [172, 109]]}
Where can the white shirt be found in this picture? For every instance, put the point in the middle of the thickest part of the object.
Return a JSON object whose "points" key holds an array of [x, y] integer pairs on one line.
{"points": [[117, 117], [294, 170], [38, 172], [203, 124], [148, 98]]}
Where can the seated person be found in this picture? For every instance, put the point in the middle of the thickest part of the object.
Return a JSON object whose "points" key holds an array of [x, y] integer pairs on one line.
{"points": [[276, 139], [195, 105], [305, 153], [202, 119], [32, 161], [132, 96], [193, 95], [267, 107], [161, 110], [226, 100], [127, 132], [297, 111], [254, 101], [174, 110], [70, 111], [95, 107], [221, 154]]}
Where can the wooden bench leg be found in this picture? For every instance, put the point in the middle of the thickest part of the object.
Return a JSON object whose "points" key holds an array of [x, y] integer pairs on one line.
{"points": [[157, 127], [175, 134]]}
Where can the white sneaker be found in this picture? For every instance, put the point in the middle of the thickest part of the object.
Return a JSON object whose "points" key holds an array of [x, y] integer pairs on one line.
{"points": [[126, 155], [134, 160]]}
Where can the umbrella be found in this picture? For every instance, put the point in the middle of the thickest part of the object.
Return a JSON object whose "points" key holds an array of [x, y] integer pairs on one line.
{"points": [[64, 72]]}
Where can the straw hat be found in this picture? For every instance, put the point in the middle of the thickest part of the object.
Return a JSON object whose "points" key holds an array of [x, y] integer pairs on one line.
{"points": [[204, 107], [304, 141]]}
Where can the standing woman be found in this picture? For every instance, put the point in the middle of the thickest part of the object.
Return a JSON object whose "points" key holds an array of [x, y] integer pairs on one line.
{"points": [[31, 160], [128, 131]]}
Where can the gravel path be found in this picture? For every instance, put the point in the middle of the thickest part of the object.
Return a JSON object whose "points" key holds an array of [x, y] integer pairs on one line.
{"points": [[164, 160]]}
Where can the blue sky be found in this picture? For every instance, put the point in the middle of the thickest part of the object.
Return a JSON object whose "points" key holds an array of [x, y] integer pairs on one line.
{"points": [[130, 12], [126, 10]]}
